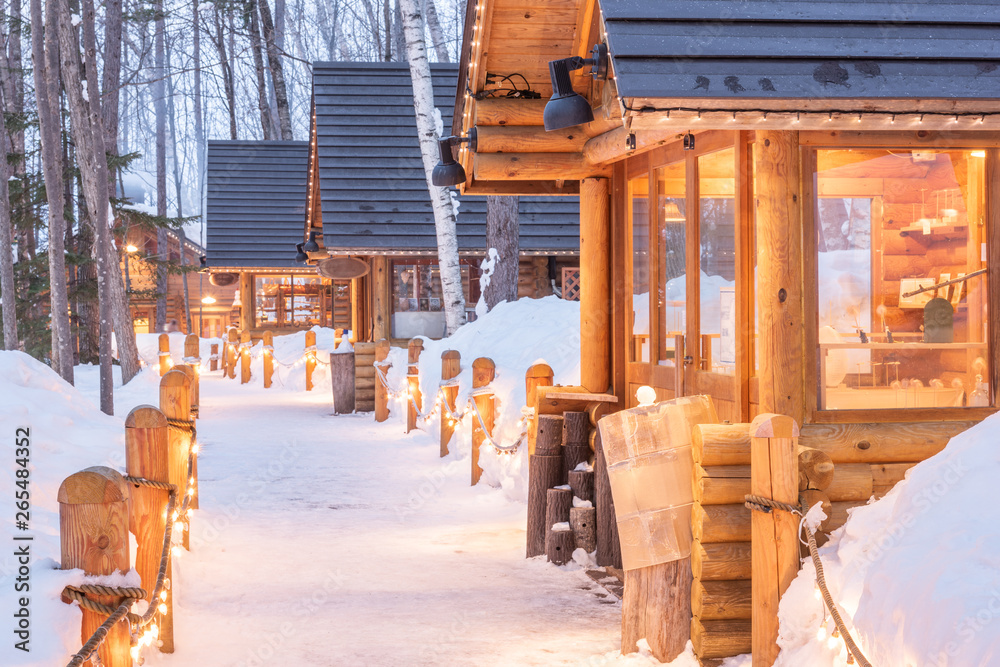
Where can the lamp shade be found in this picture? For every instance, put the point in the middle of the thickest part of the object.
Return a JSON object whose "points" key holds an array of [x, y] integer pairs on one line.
{"points": [[447, 171], [311, 245], [566, 108], [300, 256]]}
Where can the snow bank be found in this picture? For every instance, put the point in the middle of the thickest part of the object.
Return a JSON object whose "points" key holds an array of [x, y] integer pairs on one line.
{"points": [[67, 434], [917, 573], [515, 336]]}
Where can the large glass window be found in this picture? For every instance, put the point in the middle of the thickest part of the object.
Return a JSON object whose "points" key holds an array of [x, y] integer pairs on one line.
{"points": [[289, 301], [671, 228], [417, 300], [639, 224], [901, 293], [717, 277]]}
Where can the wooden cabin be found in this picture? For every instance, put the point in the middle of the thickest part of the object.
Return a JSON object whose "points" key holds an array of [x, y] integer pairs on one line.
{"points": [[368, 199], [790, 207]]}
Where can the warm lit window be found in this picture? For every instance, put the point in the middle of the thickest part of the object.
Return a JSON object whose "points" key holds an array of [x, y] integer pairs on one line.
{"points": [[671, 237], [639, 224], [717, 259], [289, 301], [901, 293]]}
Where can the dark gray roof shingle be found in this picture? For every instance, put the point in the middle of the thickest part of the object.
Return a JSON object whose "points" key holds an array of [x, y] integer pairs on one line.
{"points": [[800, 49], [255, 202], [373, 190]]}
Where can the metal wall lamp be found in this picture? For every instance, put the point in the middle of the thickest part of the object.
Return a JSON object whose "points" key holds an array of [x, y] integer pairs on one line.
{"points": [[567, 108], [311, 245], [300, 255], [448, 171]]}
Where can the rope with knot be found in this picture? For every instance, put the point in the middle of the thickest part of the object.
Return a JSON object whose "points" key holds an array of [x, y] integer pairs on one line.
{"points": [[767, 505]]}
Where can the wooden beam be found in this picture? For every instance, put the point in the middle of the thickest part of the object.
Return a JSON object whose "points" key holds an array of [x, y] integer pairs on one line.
{"points": [[534, 167], [521, 188], [508, 111], [611, 146], [529, 139], [595, 284], [781, 288]]}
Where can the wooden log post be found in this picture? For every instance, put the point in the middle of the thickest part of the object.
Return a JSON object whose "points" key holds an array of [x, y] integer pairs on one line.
{"points": [[451, 366], [595, 285], [147, 456], [245, 357], [582, 483], [558, 502], [164, 354], [550, 435], [576, 441], [544, 472], [539, 375], [364, 377], [342, 379], [815, 469], [214, 361], [583, 521], [382, 348], [483, 373], [93, 531], [657, 606], [192, 376], [310, 353], [413, 351], [192, 357], [268, 358], [175, 388], [559, 544], [774, 536], [232, 342], [609, 550]]}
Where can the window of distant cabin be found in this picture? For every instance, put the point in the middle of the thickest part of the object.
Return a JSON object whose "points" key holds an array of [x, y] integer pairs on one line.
{"points": [[901, 299], [290, 301], [417, 298]]}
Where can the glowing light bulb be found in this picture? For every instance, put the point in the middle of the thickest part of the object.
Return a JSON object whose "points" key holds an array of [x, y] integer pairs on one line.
{"points": [[163, 596], [162, 608], [134, 652], [178, 526]]}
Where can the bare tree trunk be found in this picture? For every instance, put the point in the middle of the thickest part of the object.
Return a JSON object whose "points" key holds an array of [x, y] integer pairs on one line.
{"points": [[160, 111], [46, 77], [277, 71], [8, 290], [387, 19], [437, 34], [88, 136], [180, 200], [444, 210], [199, 131], [25, 233], [503, 235], [398, 41], [227, 74], [258, 62]]}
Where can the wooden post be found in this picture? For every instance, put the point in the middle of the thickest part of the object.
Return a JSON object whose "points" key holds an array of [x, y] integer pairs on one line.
{"points": [[364, 377], [539, 375], [382, 347], [609, 550], [595, 285], [192, 357], [192, 375], [582, 483], [451, 366], [245, 357], [164, 341], [483, 373], [232, 342], [576, 441], [342, 380], [268, 343], [583, 521], [214, 361], [93, 532], [380, 282], [175, 404], [781, 281], [310, 358], [544, 472], [413, 351], [147, 456], [774, 474]]}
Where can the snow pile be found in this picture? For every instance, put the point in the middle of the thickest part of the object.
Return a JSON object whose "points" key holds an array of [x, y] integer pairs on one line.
{"points": [[67, 434], [916, 574], [515, 336]]}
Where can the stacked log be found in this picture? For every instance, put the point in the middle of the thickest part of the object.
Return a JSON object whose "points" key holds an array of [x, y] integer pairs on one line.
{"points": [[545, 471], [576, 440], [364, 377]]}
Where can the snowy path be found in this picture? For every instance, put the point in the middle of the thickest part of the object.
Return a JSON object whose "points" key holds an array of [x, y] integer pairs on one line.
{"points": [[328, 540]]}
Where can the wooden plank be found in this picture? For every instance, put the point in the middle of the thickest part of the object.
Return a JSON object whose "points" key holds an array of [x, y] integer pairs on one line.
{"points": [[721, 485], [852, 482], [534, 139], [721, 561], [721, 600], [720, 639], [721, 444], [656, 606], [880, 443], [509, 112], [534, 167], [720, 523]]}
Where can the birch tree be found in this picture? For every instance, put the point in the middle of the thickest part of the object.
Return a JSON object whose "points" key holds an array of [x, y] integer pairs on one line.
{"points": [[46, 78], [160, 113], [502, 235], [444, 210]]}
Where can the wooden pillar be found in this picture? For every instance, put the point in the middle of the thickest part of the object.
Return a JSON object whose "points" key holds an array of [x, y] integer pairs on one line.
{"points": [[268, 358], [175, 388], [382, 348], [164, 341], [192, 376], [380, 297], [483, 372], [774, 474], [414, 349], [451, 366], [539, 375], [147, 456], [780, 274], [192, 357], [595, 285], [310, 358], [355, 311], [609, 550], [245, 357], [232, 339], [247, 301], [214, 361], [342, 376], [93, 531]]}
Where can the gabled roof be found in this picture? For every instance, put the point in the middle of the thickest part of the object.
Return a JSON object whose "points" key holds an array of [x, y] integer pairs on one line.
{"points": [[372, 186], [704, 50], [255, 202]]}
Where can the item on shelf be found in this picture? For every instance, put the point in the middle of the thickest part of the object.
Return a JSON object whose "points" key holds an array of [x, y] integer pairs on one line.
{"points": [[939, 321]]}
